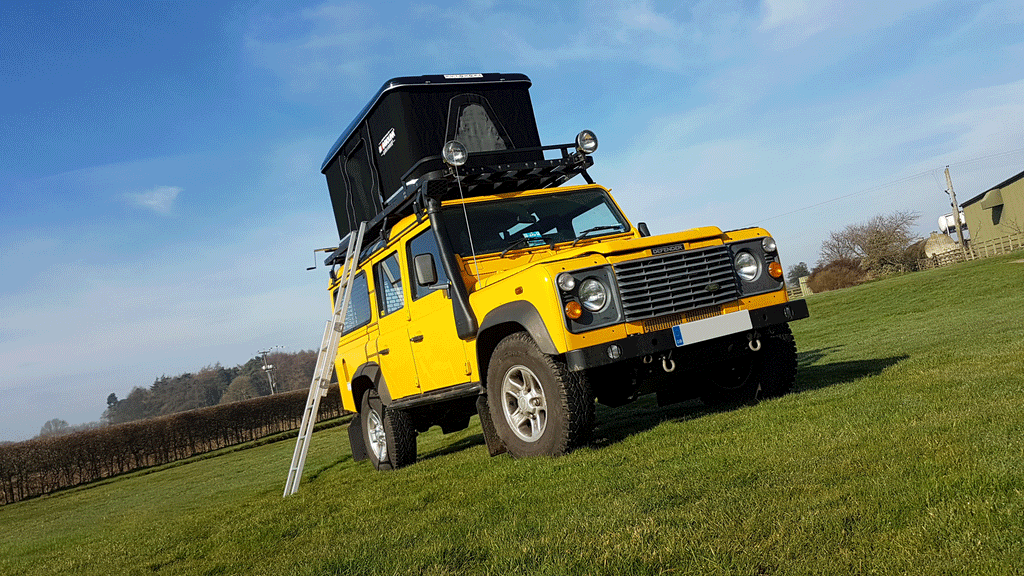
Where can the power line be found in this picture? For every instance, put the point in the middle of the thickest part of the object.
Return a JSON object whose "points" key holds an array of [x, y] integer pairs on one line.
{"points": [[892, 183], [879, 187], [973, 160]]}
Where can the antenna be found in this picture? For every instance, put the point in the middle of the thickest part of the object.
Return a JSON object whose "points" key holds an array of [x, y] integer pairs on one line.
{"points": [[313, 267]]}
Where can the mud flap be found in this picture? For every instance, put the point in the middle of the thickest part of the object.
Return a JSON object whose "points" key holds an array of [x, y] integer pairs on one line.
{"points": [[494, 444], [355, 438]]}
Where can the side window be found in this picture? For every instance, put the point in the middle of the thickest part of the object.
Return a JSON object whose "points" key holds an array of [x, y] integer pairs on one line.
{"points": [[387, 277], [425, 244], [358, 313]]}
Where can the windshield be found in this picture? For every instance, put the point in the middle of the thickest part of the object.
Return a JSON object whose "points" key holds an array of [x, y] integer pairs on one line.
{"points": [[525, 222]]}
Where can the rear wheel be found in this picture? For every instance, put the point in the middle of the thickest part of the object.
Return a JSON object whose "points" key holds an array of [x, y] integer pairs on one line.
{"points": [[539, 407], [389, 435]]}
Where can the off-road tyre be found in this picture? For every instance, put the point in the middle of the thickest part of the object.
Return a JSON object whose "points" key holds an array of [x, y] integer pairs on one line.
{"points": [[766, 373], [521, 379], [779, 370], [389, 435]]}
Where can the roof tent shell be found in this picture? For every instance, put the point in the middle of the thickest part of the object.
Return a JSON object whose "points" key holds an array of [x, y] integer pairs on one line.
{"points": [[397, 138]]}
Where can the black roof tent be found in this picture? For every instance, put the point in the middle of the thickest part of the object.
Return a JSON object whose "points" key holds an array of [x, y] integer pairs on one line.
{"points": [[398, 136]]}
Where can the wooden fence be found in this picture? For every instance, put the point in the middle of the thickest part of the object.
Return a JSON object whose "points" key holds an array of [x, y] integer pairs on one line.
{"points": [[975, 251]]}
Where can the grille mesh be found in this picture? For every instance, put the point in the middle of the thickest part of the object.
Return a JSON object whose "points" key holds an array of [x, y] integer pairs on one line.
{"points": [[676, 282]]}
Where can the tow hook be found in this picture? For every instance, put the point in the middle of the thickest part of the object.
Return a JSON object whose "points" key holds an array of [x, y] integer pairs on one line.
{"points": [[754, 341], [667, 363]]}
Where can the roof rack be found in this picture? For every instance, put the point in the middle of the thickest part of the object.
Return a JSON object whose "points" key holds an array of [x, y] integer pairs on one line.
{"points": [[491, 173]]}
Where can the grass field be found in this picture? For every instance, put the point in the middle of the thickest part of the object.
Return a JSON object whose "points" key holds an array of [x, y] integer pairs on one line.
{"points": [[901, 451]]}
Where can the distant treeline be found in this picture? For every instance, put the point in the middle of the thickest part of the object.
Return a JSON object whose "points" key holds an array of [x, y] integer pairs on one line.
{"points": [[48, 463], [211, 386]]}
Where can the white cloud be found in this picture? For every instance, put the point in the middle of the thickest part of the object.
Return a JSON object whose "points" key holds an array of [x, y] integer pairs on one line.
{"points": [[160, 199]]}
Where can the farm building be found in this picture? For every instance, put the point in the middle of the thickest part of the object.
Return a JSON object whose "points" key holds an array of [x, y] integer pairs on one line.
{"points": [[996, 212]]}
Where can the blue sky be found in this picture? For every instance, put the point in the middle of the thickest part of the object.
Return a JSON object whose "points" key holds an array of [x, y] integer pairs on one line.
{"points": [[159, 186]]}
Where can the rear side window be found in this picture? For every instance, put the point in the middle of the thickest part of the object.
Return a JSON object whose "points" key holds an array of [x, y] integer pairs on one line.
{"points": [[388, 279], [358, 313], [425, 244]]}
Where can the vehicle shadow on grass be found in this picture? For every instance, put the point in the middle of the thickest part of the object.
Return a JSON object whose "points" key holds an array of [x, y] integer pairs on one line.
{"points": [[457, 446], [812, 375], [617, 424]]}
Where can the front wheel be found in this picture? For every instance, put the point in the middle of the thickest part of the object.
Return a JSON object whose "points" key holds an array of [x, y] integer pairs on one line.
{"points": [[389, 435], [539, 407], [766, 373]]}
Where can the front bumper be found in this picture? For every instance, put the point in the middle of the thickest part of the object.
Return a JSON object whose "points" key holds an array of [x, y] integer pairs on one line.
{"points": [[642, 345]]}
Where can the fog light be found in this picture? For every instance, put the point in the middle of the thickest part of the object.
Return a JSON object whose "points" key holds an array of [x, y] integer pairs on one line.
{"points": [[614, 351], [775, 270], [566, 282], [573, 310]]}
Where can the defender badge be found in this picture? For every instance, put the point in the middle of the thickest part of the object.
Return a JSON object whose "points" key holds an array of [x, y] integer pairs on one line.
{"points": [[663, 249], [713, 287]]}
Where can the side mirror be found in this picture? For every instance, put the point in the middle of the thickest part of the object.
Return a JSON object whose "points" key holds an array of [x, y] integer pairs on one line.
{"points": [[644, 231], [426, 271]]}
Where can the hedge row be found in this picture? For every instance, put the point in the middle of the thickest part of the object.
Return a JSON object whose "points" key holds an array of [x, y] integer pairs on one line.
{"points": [[45, 464]]}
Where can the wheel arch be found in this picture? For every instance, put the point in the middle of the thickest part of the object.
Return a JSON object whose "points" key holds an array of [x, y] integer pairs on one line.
{"points": [[509, 318], [370, 376]]}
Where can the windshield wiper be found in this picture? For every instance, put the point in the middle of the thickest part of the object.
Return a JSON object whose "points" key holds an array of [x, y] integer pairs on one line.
{"points": [[590, 231], [549, 238]]}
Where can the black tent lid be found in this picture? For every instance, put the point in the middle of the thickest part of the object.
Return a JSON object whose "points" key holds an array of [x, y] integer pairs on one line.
{"points": [[430, 79]]}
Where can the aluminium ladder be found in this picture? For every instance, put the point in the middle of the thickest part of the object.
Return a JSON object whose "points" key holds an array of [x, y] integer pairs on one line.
{"points": [[325, 361]]}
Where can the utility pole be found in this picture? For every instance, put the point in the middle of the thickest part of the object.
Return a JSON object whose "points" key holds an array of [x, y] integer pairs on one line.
{"points": [[269, 368], [956, 214]]}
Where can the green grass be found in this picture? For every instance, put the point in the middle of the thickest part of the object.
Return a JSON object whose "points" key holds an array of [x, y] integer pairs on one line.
{"points": [[901, 451]]}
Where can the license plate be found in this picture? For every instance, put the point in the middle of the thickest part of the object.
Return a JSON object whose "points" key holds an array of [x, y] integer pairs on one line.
{"points": [[709, 328]]}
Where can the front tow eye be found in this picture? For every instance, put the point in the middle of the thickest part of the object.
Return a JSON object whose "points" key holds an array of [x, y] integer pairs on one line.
{"points": [[668, 364]]}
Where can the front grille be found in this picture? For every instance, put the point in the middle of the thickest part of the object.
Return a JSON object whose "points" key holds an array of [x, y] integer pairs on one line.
{"points": [[676, 282]]}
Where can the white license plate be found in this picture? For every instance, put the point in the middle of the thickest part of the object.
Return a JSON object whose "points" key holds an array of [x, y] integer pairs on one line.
{"points": [[701, 330]]}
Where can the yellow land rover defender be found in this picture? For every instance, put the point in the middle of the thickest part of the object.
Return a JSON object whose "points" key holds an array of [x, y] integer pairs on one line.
{"points": [[486, 286]]}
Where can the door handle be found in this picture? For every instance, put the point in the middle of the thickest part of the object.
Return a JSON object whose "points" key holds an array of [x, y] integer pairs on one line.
{"points": [[385, 352], [416, 338]]}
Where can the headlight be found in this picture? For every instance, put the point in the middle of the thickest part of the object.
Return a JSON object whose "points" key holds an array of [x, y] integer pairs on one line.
{"points": [[586, 142], [593, 295], [746, 266], [566, 282], [769, 245]]}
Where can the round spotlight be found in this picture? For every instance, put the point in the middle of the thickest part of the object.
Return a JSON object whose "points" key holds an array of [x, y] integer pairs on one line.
{"points": [[614, 351], [586, 142], [768, 244], [454, 153]]}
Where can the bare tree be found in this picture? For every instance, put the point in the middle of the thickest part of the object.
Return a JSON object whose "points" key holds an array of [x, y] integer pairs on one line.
{"points": [[55, 427], [879, 244]]}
